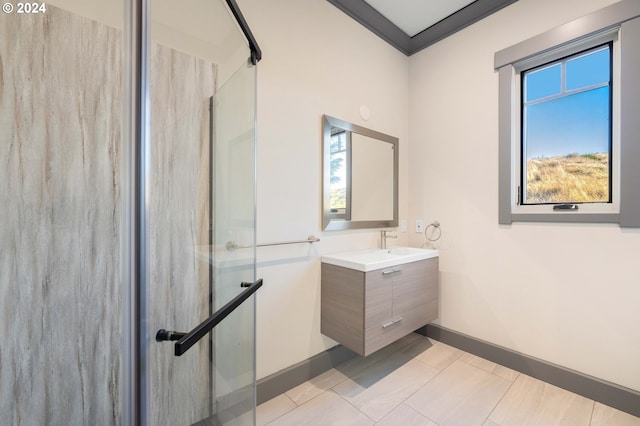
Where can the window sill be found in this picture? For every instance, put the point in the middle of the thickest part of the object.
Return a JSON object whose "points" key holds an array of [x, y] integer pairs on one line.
{"points": [[564, 217]]}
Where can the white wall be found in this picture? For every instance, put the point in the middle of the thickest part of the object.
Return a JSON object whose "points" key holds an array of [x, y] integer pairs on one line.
{"points": [[565, 293], [316, 61], [568, 294]]}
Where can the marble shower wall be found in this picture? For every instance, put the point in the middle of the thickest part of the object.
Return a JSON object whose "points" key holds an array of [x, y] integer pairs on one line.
{"points": [[60, 291], [181, 86], [60, 304]]}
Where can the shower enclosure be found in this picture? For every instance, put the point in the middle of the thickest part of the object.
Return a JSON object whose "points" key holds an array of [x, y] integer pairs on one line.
{"points": [[127, 149]]}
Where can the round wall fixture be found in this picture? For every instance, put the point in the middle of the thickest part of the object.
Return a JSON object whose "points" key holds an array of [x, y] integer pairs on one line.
{"points": [[365, 113]]}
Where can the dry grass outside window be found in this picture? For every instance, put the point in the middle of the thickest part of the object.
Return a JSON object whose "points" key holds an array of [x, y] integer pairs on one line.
{"points": [[575, 178]]}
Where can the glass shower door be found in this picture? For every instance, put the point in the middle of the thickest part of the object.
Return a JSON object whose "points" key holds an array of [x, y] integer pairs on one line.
{"points": [[234, 242], [201, 219]]}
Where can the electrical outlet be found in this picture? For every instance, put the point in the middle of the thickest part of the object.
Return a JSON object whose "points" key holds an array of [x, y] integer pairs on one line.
{"points": [[419, 226]]}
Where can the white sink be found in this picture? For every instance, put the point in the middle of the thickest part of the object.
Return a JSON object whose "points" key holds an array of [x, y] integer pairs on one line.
{"points": [[371, 259]]}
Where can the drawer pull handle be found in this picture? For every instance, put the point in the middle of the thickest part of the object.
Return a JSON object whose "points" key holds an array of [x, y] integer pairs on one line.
{"points": [[391, 271], [390, 323]]}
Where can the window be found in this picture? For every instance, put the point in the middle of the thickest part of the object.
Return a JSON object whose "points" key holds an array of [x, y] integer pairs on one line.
{"points": [[566, 133], [569, 144], [340, 175]]}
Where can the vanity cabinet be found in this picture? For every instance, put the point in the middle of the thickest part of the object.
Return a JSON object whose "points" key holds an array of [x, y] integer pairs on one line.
{"points": [[366, 311]]}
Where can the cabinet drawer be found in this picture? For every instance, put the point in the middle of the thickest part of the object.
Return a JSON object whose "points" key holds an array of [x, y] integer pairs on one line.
{"points": [[382, 334]]}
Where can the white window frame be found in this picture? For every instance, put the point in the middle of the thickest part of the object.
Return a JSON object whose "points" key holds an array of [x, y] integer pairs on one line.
{"points": [[620, 24]]}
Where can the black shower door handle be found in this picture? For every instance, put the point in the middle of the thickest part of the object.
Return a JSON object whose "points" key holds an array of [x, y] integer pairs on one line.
{"points": [[186, 340]]}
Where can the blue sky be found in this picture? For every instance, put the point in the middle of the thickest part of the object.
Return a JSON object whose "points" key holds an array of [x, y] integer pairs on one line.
{"points": [[575, 123]]}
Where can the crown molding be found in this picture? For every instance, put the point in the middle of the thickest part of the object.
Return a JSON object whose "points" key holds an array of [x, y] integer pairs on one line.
{"points": [[370, 18]]}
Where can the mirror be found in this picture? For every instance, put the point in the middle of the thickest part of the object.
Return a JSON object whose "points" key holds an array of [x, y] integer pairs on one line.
{"points": [[360, 175]]}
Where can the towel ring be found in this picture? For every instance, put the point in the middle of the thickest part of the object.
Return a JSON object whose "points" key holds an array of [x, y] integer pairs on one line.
{"points": [[436, 226]]}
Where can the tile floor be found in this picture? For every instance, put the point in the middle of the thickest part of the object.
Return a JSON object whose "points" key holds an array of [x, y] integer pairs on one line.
{"points": [[419, 381]]}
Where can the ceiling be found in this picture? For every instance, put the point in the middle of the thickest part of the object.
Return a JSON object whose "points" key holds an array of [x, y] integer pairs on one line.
{"points": [[414, 16], [412, 25]]}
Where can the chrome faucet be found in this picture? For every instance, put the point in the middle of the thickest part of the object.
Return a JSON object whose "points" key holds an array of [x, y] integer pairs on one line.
{"points": [[383, 239]]}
